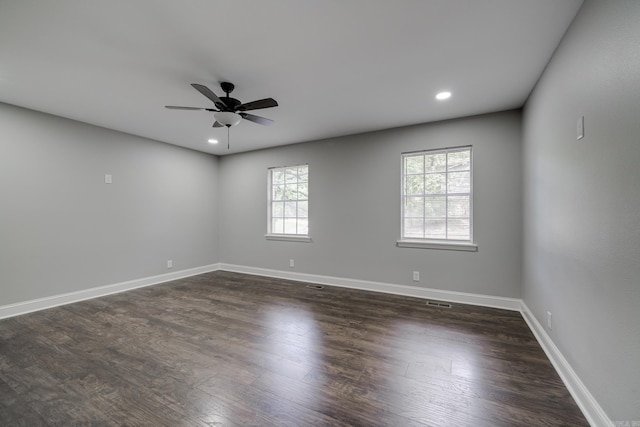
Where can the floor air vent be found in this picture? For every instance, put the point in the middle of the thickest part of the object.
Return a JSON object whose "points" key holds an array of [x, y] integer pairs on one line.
{"points": [[438, 304], [315, 286]]}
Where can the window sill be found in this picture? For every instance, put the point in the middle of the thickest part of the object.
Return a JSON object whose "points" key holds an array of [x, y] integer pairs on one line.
{"points": [[447, 246], [288, 238]]}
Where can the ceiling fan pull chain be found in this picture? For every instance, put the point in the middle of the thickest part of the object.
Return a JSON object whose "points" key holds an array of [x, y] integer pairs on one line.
{"points": [[228, 144]]}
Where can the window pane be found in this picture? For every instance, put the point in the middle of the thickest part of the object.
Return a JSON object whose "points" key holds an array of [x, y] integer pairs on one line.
{"points": [[413, 227], [277, 209], [414, 184], [303, 226], [303, 191], [435, 207], [290, 209], [291, 175], [290, 226], [278, 192], [458, 206], [303, 209], [458, 229], [414, 207], [435, 162], [459, 161], [303, 173], [435, 183], [277, 176], [414, 164], [435, 229], [291, 192], [277, 225], [459, 182]]}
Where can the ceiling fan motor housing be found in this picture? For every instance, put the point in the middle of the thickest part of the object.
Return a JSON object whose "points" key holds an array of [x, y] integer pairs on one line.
{"points": [[231, 104]]}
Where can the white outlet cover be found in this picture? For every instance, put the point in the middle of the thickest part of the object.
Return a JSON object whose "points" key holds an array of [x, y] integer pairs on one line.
{"points": [[108, 179]]}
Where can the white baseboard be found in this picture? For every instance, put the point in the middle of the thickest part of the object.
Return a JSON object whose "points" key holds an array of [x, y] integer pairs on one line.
{"points": [[585, 400], [25, 307], [388, 288]]}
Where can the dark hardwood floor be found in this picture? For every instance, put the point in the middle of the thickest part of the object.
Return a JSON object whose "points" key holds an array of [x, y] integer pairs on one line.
{"points": [[231, 349]]}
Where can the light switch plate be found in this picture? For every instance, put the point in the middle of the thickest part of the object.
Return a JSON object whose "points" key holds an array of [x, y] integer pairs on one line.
{"points": [[580, 128]]}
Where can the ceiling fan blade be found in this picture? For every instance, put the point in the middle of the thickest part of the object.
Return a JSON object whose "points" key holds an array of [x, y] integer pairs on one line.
{"points": [[257, 119], [175, 107], [209, 94], [218, 125], [256, 105]]}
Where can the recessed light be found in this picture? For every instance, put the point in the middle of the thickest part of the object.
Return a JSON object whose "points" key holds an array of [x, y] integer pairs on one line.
{"points": [[213, 141], [443, 95]]}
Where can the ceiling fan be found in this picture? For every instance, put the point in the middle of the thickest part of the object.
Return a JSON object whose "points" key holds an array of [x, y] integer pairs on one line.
{"points": [[229, 111]]}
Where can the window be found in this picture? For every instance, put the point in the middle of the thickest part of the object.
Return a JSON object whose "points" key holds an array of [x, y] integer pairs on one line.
{"points": [[288, 216], [437, 198]]}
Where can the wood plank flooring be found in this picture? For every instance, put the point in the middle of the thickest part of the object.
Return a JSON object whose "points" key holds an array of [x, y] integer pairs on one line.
{"points": [[236, 350]]}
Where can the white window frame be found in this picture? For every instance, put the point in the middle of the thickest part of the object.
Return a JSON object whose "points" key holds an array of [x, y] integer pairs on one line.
{"points": [[275, 235], [431, 243]]}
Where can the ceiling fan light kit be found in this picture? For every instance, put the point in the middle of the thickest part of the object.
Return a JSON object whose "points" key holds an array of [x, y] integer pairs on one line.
{"points": [[229, 111], [227, 118]]}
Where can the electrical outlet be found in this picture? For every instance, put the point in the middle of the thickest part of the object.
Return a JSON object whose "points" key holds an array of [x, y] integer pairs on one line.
{"points": [[549, 320], [292, 263], [108, 178], [170, 263], [416, 276]]}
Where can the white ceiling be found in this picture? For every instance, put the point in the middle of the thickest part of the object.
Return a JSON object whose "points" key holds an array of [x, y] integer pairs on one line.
{"points": [[335, 67]]}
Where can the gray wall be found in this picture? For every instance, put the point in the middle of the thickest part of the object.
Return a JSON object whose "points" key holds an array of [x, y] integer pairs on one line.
{"points": [[582, 202], [62, 229], [355, 208]]}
